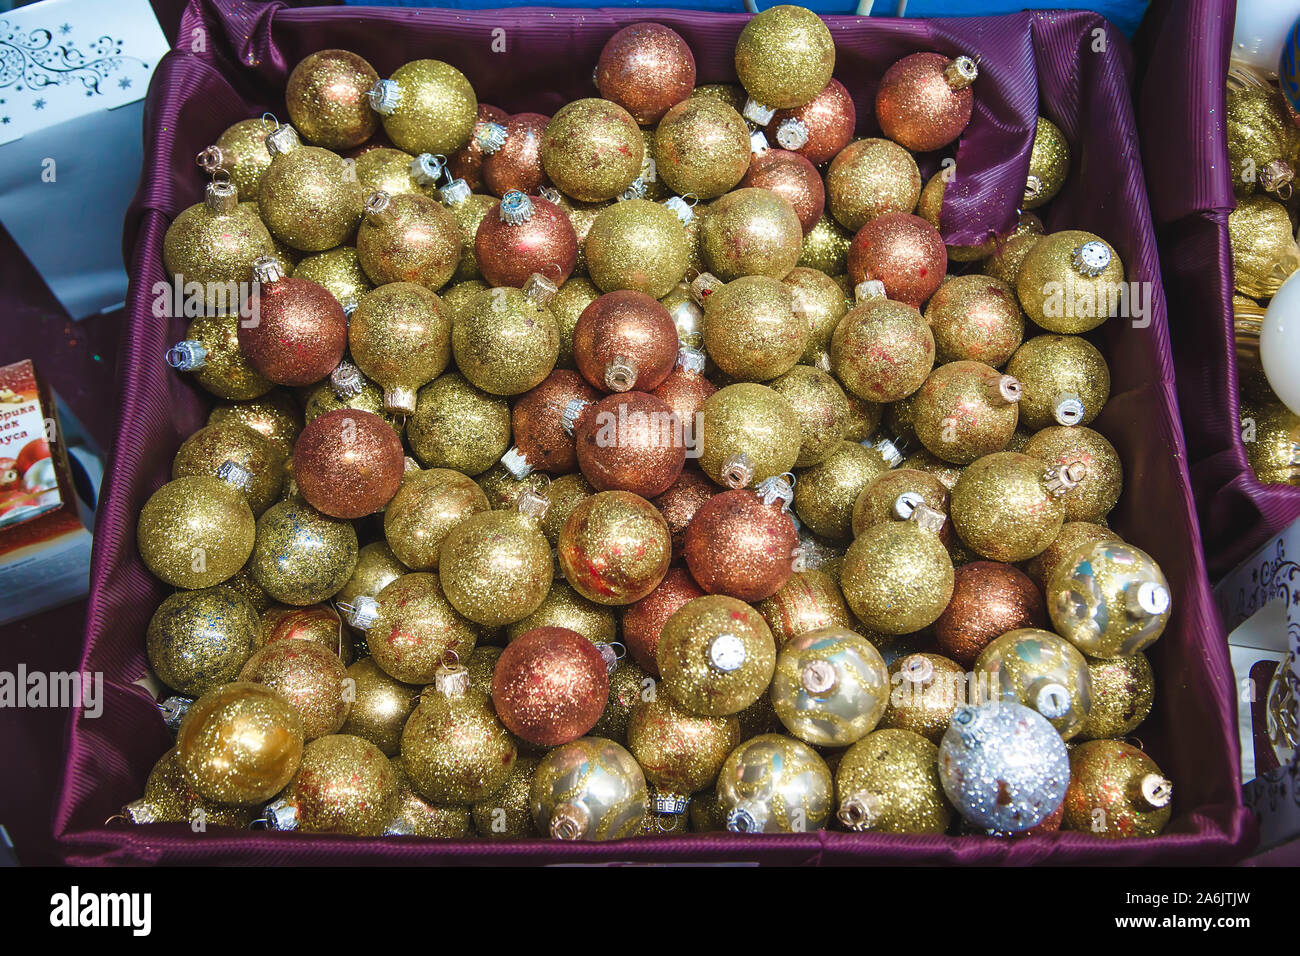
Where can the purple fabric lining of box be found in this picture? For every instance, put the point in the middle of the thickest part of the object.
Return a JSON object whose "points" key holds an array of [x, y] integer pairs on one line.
{"points": [[251, 48]]}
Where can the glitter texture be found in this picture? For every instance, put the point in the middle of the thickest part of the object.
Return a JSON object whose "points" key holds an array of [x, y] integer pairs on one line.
{"points": [[567, 306], [680, 752], [324, 399], [1009, 251], [310, 199], [411, 239], [750, 329], [495, 567], [740, 546], [897, 577], [624, 328], [412, 815], [826, 247], [1093, 598], [775, 784], [877, 501], [1051, 368], [339, 272], [427, 506], [225, 371], [808, 601], [505, 343], [381, 707], [793, 178], [311, 678], [988, 600], [550, 686], [829, 119], [198, 640], [1272, 455], [455, 750], [215, 248], [195, 532], [343, 785], [685, 393], [753, 231], [518, 163], [1123, 691], [388, 170], [882, 350], [831, 687], [591, 789], [244, 156], [1002, 510], [645, 68], [468, 215], [467, 162], [301, 556], [750, 420], [919, 107], [926, 689], [784, 56], [965, 410], [627, 442], [377, 567], [416, 628], [826, 493], [1096, 494], [563, 607], [702, 147], [643, 621], [822, 408], [275, 417], [457, 426], [204, 452], [508, 813], [888, 782], [327, 97], [1073, 534], [869, 178], [400, 336], [545, 244], [564, 493], [1105, 796], [319, 624], [614, 548], [680, 502], [690, 643], [1259, 131], [300, 335], [902, 251], [930, 208], [638, 245], [170, 798], [1049, 164], [348, 463], [592, 149], [1086, 302], [977, 318], [436, 109]]}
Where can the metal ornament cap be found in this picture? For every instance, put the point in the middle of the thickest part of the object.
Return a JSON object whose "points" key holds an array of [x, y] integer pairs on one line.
{"points": [[682, 209], [266, 270], [737, 471], [490, 137], [792, 133], [1052, 700], [427, 169], [727, 653], [1069, 410], [1091, 259], [961, 72], [538, 288], [889, 451], [569, 821], [819, 678], [758, 144], [671, 804], [516, 462], [283, 139], [235, 475], [455, 192], [362, 612], [347, 380], [281, 815], [220, 195], [867, 290], [757, 113], [572, 412], [777, 488], [1148, 599], [741, 820], [637, 190], [1059, 481], [1156, 791], [859, 811], [385, 97], [516, 208], [173, 710], [187, 355]]}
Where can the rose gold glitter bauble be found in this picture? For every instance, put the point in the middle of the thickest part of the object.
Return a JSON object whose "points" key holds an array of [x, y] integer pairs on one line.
{"points": [[820, 128], [550, 686], [882, 350], [467, 162], [348, 463], [904, 252], [646, 68], [644, 620], [975, 317], [924, 101], [680, 502], [988, 600], [592, 150], [408, 238], [544, 242], [625, 340], [792, 177], [538, 421], [869, 178], [684, 392], [328, 99], [739, 546], [615, 548], [754, 231], [311, 678], [630, 442], [300, 333], [751, 330], [518, 163], [701, 147]]}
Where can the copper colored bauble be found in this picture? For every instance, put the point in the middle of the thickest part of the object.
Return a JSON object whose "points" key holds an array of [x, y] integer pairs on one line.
{"points": [[1123, 690], [740, 546], [426, 506], [827, 491], [1060, 447], [888, 782], [685, 391], [904, 252], [893, 496], [988, 600], [882, 350], [200, 639], [542, 430], [457, 426], [564, 607], [750, 329], [1007, 506], [818, 129], [210, 353], [214, 243], [784, 56], [870, 178], [637, 244], [680, 752], [1069, 281], [924, 101], [310, 678], [977, 318], [897, 577], [791, 177], [209, 448], [592, 150], [400, 336], [1009, 250], [467, 162], [645, 68], [496, 567], [590, 789], [716, 656], [820, 301], [1041, 670], [822, 408], [408, 238], [1116, 791], [1064, 380], [927, 689], [328, 99], [614, 548], [302, 556], [380, 706], [300, 332], [630, 442], [1073, 534], [826, 247], [680, 502], [965, 410], [426, 106], [751, 231], [348, 463], [344, 784], [750, 433], [517, 163], [506, 341], [522, 236], [643, 621], [195, 532], [319, 623], [625, 340], [1049, 164], [702, 147], [309, 197], [412, 627], [241, 152], [550, 686]]}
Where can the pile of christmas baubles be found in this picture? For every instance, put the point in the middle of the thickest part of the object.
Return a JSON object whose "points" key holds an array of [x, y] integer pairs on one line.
{"points": [[642, 469]]}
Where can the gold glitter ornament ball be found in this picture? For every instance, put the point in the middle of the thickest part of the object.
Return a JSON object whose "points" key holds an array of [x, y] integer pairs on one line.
{"points": [[428, 505], [1040, 670], [977, 318], [302, 556], [822, 408], [508, 813], [882, 350], [808, 601], [1116, 791], [328, 96], [1049, 164], [327, 397], [239, 744], [821, 302], [927, 688], [1070, 281], [309, 197], [389, 170], [214, 243], [888, 782], [469, 213], [1059, 446], [311, 678], [275, 416], [638, 245], [1264, 251], [680, 752], [209, 448], [592, 149], [614, 548], [169, 798], [1109, 599], [826, 493], [400, 336], [414, 628], [344, 785], [590, 789], [750, 232], [495, 567], [198, 640], [195, 532], [1010, 249], [567, 305], [702, 147], [775, 784], [869, 178], [377, 567], [244, 155], [750, 433], [1003, 509], [1262, 140], [409, 238], [785, 56], [826, 247], [565, 493], [1064, 380], [1123, 690], [427, 106], [750, 328], [223, 370], [565, 607], [506, 342], [453, 747], [339, 272], [716, 655], [458, 426], [879, 500], [831, 687], [411, 815], [380, 707], [1271, 433], [897, 577], [966, 410], [629, 686]]}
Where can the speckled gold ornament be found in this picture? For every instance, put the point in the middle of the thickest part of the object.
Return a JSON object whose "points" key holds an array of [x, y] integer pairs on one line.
{"points": [[301, 556], [339, 272], [825, 493], [311, 678], [702, 147], [1073, 534], [1040, 670], [1049, 164], [1071, 281], [1002, 508], [822, 409], [680, 752], [198, 640], [565, 607], [716, 655], [428, 505], [750, 329], [831, 687], [750, 232], [400, 336], [469, 213], [784, 56], [1009, 251], [380, 706], [809, 600], [214, 244], [495, 567], [243, 154], [882, 350], [239, 744], [869, 178], [775, 784], [328, 99], [242, 583], [1109, 599], [389, 170], [328, 397], [826, 247], [927, 688], [1116, 791], [1064, 380], [750, 433], [508, 814], [1123, 690], [427, 106], [977, 318], [1059, 446], [614, 548], [638, 245], [170, 798], [965, 410], [820, 302], [503, 489], [275, 417], [506, 342], [564, 493], [566, 305], [308, 197], [864, 417], [897, 577], [412, 815], [457, 426], [376, 568], [209, 448], [415, 627], [879, 500], [1271, 435], [456, 297], [592, 149], [195, 531], [590, 789], [733, 94], [222, 370], [344, 784], [409, 238], [629, 686], [1263, 143], [888, 782]]}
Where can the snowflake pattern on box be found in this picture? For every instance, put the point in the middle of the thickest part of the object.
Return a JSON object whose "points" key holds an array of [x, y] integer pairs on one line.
{"points": [[32, 59]]}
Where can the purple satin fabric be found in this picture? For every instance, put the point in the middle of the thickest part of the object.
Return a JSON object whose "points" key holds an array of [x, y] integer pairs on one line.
{"points": [[1028, 62]]}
